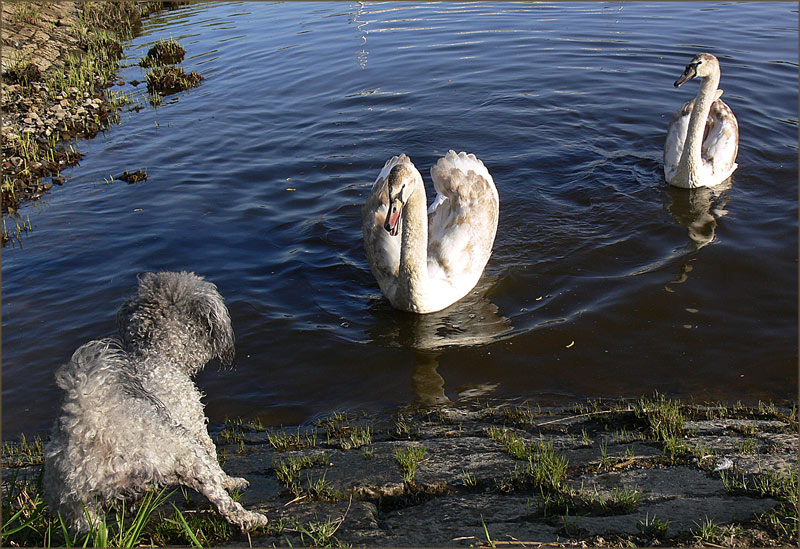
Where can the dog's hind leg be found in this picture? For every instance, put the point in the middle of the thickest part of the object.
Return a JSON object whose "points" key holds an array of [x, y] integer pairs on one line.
{"points": [[230, 483], [206, 477], [212, 487]]}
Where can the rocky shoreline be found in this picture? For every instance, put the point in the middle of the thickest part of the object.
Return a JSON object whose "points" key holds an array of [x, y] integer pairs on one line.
{"points": [[59, 61], [648, 472]]}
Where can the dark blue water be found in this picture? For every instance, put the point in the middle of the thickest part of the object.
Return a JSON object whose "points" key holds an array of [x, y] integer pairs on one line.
{"points": [[603, 282]]}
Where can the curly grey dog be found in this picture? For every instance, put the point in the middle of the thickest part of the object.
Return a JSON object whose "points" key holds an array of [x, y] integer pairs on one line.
{"points": [[131, 417]]}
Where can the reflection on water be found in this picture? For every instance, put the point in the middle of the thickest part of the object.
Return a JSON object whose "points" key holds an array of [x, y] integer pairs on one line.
{"points": [[682, 277], [698, 210], [473, 321], [362, 53], [426, 382]]}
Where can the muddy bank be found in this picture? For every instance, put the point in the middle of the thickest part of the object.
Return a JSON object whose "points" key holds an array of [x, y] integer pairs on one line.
{"points": [[648, 472]]}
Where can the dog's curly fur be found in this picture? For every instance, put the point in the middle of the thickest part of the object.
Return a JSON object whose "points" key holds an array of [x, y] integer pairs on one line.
{"points": [[131, 418]]}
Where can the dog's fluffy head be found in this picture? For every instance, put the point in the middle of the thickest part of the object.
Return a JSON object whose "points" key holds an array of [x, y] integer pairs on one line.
{"points": [[180, 316]]}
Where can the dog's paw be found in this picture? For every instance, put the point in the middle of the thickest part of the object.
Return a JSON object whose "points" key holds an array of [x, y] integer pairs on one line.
{"points": [[248, 520], [236, 483]]}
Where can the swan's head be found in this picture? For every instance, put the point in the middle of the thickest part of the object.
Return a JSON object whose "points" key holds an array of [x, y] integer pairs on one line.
{"points": [[701, 65], [400, 184]]}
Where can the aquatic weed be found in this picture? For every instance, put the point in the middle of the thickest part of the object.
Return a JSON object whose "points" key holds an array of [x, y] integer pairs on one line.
{"points": [[171, 79], [163, 52]]}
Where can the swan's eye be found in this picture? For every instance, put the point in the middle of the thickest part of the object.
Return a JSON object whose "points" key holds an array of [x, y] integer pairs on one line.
{"points": [[399, 194]]}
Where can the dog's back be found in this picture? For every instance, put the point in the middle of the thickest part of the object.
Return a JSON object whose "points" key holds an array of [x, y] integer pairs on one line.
{"points": [[97, 384]]}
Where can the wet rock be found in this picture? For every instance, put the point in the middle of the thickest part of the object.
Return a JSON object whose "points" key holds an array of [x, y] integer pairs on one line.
{"points": [[683, 514], [463, 487]]}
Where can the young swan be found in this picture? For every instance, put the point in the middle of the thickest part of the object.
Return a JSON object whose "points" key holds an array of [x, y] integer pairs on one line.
{"points": [[703, 136], [426, 260], [131, 418]]}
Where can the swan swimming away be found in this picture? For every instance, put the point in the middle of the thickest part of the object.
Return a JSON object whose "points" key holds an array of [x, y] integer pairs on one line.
{"points": [[424, 262], [703, 136]]}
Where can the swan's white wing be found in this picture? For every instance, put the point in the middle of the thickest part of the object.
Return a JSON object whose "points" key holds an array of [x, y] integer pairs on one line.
{"points": [[383, 251], [721, 143], [462, 223], [676, 137]]}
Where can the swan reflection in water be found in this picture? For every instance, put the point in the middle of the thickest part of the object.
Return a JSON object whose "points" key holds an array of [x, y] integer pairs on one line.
{"points": [[698, 210], [470, 322]]}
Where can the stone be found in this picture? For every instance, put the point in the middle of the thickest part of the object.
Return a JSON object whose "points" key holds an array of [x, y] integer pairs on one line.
{"points": [[375, 507]]}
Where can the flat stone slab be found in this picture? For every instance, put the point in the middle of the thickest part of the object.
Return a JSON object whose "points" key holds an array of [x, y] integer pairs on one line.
{"points": [[468, 489]]}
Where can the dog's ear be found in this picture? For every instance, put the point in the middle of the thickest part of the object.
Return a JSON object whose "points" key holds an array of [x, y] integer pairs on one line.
{"points": [[211, 310]]}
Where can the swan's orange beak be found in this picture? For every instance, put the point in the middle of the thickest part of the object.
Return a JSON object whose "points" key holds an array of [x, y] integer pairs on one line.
{"points": [[688, 74], [392, 224]]}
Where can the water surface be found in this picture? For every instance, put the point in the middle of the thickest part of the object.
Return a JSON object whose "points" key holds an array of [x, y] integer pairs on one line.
{"points": [[604, 282]]}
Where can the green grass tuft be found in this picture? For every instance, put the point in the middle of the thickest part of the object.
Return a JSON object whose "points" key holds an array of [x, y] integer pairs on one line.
{"points": [[544, 467], [282, 440], [652, 527], [23, 453], [409, 460]]}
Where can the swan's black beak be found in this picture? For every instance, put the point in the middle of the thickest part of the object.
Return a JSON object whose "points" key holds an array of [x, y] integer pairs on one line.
{"points": [[688, 74], [392, 223]]}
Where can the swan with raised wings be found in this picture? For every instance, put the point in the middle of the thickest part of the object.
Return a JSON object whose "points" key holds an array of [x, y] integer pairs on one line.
{"points": [[424, 262], [703, 136]]}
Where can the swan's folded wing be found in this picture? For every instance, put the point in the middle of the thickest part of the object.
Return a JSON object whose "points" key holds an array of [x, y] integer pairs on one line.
{"points": [[676, 137], [463, 224], [721, 143]]}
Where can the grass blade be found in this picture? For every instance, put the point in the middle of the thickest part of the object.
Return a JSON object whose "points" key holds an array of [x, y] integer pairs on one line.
{"points": [[186, 527]]}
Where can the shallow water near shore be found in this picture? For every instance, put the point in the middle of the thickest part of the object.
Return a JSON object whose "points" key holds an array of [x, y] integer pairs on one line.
{"points": [[603, 282]]}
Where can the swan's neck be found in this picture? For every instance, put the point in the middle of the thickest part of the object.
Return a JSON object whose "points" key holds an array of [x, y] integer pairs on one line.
{"points": [[413, 275], [691, 159]]}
